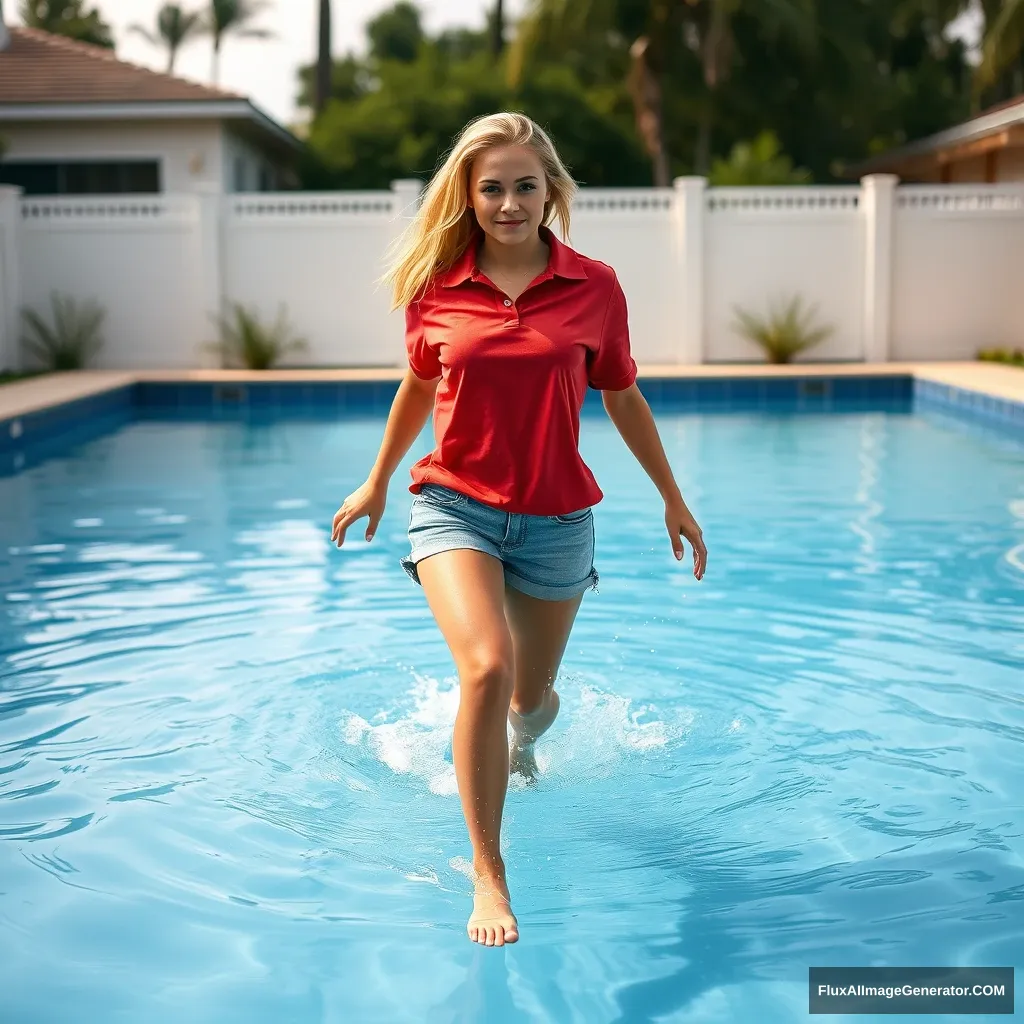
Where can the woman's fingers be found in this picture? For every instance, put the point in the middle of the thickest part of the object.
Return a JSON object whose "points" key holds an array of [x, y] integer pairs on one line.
{"points": [[343, 519], [700, 555], [692, 532], [348, 514], [371, 528]]}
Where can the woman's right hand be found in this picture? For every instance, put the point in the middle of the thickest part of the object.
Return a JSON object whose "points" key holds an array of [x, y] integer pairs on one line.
{"points": [[367, 500]]}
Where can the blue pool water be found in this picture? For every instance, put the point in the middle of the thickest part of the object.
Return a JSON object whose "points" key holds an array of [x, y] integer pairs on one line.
{"points": [[226, 791]]}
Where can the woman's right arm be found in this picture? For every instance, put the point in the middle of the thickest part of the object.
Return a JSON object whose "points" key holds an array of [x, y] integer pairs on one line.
{"points": [[409, 411]]}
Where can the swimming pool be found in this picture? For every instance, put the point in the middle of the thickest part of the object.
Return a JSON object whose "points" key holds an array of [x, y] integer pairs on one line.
{"points": [[225, 782]]}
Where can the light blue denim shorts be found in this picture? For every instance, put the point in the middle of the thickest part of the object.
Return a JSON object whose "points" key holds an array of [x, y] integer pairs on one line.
{"points": [[549, 557]]}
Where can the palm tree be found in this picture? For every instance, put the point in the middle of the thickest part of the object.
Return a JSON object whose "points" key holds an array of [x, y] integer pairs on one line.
{"points": [[323, 60], [1003, 44], [670, 27], [233, 17], [498, 29], [174, 27]]}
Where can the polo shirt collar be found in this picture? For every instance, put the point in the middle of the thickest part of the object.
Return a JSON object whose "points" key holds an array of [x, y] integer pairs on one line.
{"points": [[562, 261]]}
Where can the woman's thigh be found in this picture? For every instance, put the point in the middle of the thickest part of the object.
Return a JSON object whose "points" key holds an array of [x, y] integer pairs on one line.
{"points": [[465, 590]]}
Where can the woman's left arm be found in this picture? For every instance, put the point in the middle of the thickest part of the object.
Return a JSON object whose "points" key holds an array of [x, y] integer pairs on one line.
{"points": [[632, 417]]}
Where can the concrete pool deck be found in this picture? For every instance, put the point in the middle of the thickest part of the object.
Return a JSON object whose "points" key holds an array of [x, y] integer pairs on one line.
{"points": [[23, 397]]}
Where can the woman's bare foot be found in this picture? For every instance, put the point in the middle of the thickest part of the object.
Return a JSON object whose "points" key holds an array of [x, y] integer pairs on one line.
{"points": [[525, 731], [492, 922]]}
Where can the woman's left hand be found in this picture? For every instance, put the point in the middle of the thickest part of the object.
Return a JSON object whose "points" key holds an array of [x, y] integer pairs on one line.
{"points": [[679, 520]]}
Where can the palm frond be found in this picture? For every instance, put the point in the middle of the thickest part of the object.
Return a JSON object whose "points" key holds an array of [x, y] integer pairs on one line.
{"points": [[141, 30], [245, 340], [74, 338], [555, 23], [787, 331], [1003, 43]]}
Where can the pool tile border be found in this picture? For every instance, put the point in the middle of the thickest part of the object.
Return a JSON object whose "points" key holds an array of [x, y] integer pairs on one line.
{"points": [[1001, 412], [49, 409]]}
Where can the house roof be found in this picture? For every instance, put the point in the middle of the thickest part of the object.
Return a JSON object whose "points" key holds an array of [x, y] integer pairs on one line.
{"points": [[42, 68], [49, 77], [995, 120]]}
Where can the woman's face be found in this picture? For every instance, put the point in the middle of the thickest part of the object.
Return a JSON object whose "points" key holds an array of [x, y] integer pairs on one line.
{"points": [[507, 192]]}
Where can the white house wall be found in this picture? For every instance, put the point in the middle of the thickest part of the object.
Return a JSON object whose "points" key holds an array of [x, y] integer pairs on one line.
{"points": [[191, 153], [1011, 164], [239, 154]]}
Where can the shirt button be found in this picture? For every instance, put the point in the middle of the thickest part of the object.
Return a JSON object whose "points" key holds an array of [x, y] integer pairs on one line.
{"points": [[508, 302]]}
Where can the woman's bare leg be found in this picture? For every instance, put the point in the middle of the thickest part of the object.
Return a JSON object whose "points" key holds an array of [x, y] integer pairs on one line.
{"points": [[465, 591], [540, 631]]}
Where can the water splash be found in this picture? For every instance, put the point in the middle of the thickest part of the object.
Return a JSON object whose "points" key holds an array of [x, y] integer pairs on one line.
{"points": [[594, 734]]}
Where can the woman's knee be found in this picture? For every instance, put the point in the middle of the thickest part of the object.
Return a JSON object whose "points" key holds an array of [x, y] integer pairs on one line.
{"points": [[487, 675]]}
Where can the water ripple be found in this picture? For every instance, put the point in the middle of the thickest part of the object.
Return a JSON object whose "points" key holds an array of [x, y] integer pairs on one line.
{"points": [[225, 748]]}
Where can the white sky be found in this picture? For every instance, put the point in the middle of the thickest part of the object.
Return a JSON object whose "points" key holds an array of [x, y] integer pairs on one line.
{"points": [[266, 71]]}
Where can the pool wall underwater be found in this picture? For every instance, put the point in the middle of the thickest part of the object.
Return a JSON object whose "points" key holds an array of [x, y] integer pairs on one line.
{"points": [[26, 439]]}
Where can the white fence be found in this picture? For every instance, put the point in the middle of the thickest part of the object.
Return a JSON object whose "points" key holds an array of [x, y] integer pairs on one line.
{"points": [[900, 272]]}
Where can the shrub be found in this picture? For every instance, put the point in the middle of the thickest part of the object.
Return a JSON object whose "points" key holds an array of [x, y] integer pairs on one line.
{"points": [[249, 342], [787, 330], [74, 338], [1014, 357]]}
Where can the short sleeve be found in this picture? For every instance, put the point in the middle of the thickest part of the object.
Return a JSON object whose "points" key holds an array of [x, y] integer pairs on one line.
{"points": [[423, 359], [611, 367]]}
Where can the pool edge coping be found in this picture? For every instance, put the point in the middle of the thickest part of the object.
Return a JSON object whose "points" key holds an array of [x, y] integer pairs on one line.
{"points": [[38, 394]]}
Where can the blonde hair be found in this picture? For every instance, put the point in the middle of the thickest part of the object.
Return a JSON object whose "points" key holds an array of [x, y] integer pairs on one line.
{"points": [[444, 225]]}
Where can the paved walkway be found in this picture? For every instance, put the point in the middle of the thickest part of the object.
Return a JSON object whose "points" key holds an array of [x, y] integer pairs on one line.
{"points": [[18, 398]]}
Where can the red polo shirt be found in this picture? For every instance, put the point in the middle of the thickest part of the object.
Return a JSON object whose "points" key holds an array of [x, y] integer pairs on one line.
{"points": [[514, 376]]}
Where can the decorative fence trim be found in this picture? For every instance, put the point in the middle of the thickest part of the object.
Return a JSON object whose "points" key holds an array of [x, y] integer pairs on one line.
{"points": [[783, 199], [961, 199], [130, 211], [346, 204]]}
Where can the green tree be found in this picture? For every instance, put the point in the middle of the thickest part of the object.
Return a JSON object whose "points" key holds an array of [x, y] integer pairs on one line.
{"points": [[1002, 51], [235, 18], [396, 33], [1000, 72], [852, 78], [880, 74], [660, 35], [393, 118], [759, 162], [174, 27], [67, 18]]}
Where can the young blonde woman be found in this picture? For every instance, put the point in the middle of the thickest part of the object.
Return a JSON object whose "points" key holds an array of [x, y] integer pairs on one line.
{"points": [[506, 328]]}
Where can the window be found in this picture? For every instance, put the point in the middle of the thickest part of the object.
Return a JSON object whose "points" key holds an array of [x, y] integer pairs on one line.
{"points": [[241, 178], [80, 178]]}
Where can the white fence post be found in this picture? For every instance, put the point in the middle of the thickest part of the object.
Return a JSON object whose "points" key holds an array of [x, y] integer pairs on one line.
{"points": [[878, 200], [210, 269], [10, 279], [688, 234], [407, 199]]}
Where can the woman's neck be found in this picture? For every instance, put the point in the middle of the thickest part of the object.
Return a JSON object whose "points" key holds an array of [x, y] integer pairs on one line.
{"points": [[522, 256]]}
